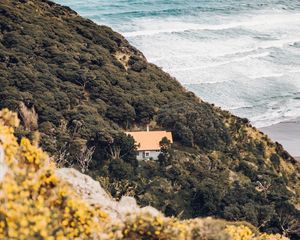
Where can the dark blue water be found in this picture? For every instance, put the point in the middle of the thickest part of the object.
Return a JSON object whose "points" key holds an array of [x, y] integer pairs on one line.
{"points": [[241, 55]]}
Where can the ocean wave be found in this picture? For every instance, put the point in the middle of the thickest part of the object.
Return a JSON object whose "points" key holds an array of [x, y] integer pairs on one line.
{"points": [[261, 50], [273, 119], [237, 59], [171, 26], [276, 110]]}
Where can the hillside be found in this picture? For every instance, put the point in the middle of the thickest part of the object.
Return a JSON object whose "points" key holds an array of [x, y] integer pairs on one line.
{"points": [[82, 85], [39, 201]]}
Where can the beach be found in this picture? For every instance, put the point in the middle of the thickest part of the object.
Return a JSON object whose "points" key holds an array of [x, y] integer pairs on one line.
{"points": [[286, 133]]}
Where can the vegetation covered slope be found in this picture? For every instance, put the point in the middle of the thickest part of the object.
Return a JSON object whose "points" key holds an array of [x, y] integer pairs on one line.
{"points": [[36, 204], [82, 85]]}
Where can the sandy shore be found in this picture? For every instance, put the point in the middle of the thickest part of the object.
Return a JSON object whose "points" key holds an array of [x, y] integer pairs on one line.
{"points": [[288, 134]]}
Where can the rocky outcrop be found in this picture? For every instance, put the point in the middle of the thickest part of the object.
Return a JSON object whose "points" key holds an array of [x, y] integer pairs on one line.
{"points": [[92, 192]]}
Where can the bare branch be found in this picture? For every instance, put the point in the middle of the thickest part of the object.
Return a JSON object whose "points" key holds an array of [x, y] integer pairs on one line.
{"points": [[114, 152], [62, 157], [84, 159], [29, 117]]}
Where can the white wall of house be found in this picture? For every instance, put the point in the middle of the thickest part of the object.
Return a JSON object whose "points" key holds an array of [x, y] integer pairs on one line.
{"points": [[147, 155]]}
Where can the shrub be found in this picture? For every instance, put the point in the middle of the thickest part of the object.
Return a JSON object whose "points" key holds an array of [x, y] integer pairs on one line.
{"points": [[148, 227], [121, 170], [275, 160]]}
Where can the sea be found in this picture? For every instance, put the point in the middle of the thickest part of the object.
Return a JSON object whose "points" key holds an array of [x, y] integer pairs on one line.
{"points": [[242, 55]]}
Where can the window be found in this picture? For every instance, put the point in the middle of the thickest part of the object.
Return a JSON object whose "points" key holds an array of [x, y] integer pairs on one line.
{"points": [[147, 154]]}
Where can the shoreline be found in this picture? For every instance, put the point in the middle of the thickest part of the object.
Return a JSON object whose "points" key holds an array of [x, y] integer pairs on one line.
{"points": [[287, 134]]}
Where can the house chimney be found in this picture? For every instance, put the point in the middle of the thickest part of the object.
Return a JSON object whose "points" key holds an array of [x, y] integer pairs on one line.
{"points": [[147, 128]]}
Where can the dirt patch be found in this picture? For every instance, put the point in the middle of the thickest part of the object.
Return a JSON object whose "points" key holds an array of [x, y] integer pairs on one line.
{"points": [[123, 58]]}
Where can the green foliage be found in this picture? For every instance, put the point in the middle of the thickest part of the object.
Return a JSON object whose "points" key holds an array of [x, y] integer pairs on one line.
{"points": [[246, 168], [119, 170], [164, 156], [194, 123], [275, 160], [137, 64], [65, 67], [118, 147], [207, 198]]}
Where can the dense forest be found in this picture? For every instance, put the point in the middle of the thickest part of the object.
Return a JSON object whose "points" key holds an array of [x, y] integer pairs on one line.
{"points": [[82, 86]]}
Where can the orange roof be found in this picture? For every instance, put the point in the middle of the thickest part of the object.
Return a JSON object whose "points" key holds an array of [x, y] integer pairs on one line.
{"points": [[150, 140]]}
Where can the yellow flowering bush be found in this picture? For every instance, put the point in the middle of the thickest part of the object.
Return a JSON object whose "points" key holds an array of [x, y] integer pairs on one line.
{"points": [[146, 226], [240, 232], [36, 204], [244, 233]]}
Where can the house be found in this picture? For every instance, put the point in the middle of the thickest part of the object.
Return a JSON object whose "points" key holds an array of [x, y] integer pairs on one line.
{"points": [[148, 143]]}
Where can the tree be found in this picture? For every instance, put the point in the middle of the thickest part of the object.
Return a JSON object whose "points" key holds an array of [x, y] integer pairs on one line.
{"points": [[207, 198], [122, 114], [144, 109], [289, 220], [123, 147], [118, 146], [164, 155]]}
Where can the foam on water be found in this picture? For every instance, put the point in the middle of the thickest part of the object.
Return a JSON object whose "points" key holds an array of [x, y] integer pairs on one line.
{"points": [[241, 55], [160, 26]]}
